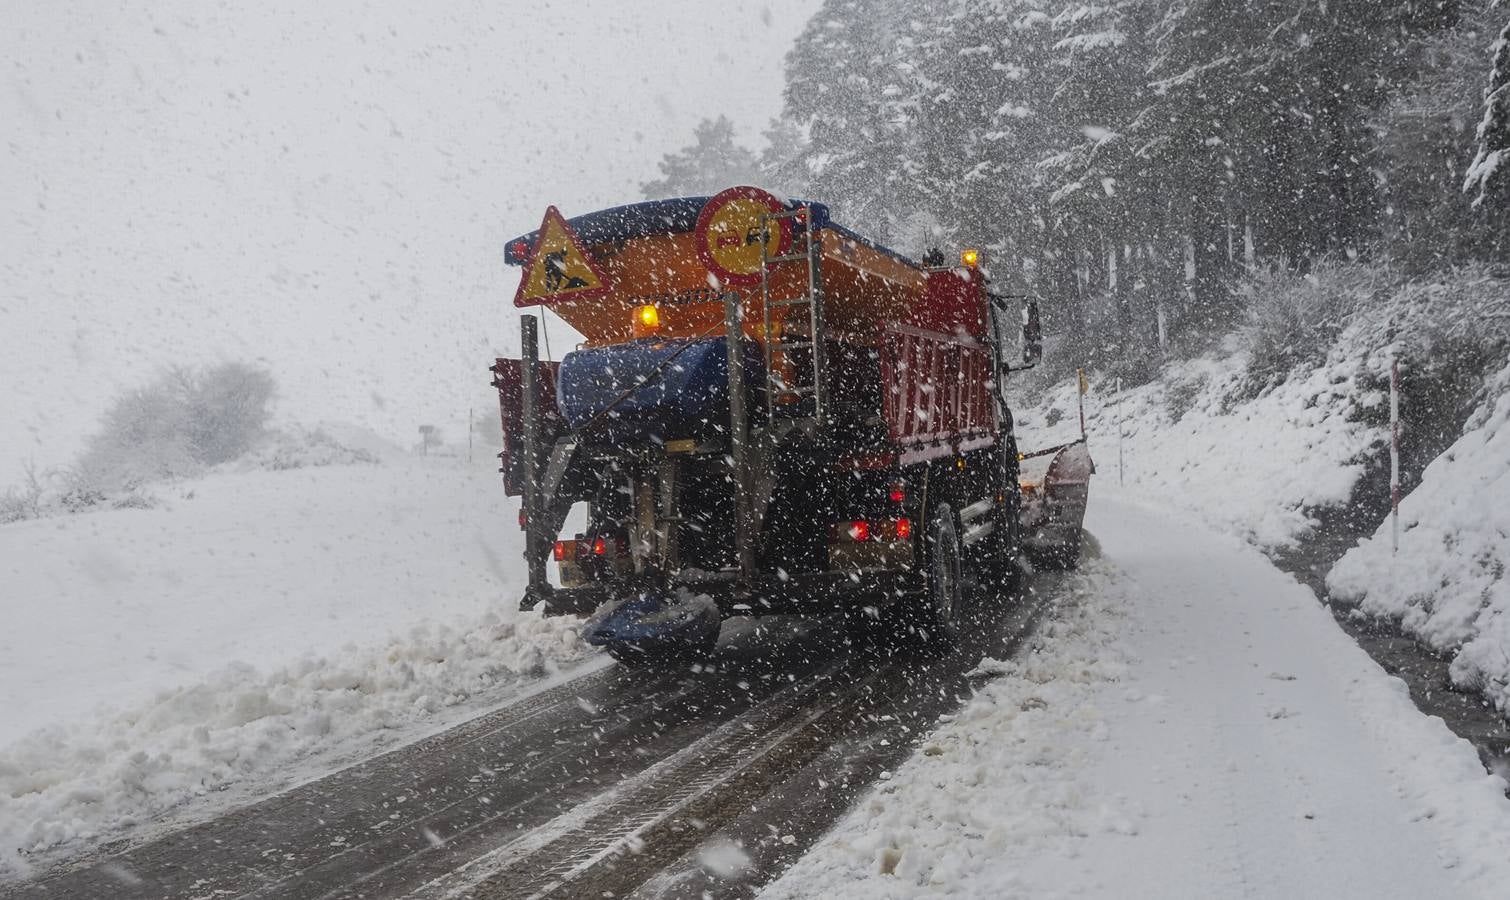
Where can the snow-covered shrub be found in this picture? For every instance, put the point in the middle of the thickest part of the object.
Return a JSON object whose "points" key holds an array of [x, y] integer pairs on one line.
{"points": [[1295, 319], [225, 409], [299, 448], [175, 426], [25, 501], [1465, 307]]}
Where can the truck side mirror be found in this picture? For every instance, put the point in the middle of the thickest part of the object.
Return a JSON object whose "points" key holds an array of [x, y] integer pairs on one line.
{"points": [[1032, 334]]}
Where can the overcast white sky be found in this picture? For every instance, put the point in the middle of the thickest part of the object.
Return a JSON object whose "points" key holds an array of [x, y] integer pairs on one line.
{"points": [[325, 187]]}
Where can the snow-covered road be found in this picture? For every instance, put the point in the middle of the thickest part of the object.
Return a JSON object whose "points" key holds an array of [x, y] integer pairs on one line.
{"points": [[1184, 721], [1194, 725]]}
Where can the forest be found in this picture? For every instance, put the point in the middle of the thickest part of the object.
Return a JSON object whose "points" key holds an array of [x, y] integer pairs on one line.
{"points": [[1137, 164]]}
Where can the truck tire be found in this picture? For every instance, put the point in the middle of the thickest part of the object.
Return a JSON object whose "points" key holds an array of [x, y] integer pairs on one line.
{"points": [[942, 609]]}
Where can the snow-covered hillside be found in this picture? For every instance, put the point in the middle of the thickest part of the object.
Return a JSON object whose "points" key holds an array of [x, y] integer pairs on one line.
{"points": [[1261, 463], [1252, 466], [1447, 584], [252, 619]]}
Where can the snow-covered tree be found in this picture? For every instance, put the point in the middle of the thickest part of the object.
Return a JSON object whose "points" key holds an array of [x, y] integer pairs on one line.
{"points": [[1489, 173], [1129, 160], [848, 92], [1425, 142], [175, 426], [712, 162]]}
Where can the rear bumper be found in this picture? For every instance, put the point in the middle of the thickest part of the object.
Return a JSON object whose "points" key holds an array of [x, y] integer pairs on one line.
{"points": [[818, 594]]}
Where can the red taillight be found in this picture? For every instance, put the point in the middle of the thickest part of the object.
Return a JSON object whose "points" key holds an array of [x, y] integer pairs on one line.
{"points": [[559, 551], [524, 518], [521, 250], [599, 547], [859, 531], [898, 493], [904, 529]]}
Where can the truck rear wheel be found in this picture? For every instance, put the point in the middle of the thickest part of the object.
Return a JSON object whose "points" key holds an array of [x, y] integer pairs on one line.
{"points": [[941, 610]]}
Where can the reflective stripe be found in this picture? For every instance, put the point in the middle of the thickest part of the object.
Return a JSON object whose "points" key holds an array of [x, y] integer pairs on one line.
{"points": [[977, 509]]}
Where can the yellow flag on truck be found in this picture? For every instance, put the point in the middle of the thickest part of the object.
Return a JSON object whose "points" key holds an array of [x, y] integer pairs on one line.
{"points": [[559, 267]]}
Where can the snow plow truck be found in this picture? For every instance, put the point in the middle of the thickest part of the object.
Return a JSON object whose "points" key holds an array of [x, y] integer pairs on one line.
{"points": [[769, 414]]}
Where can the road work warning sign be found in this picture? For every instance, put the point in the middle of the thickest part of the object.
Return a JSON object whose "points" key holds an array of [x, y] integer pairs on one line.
{"points": [[558, 267]]}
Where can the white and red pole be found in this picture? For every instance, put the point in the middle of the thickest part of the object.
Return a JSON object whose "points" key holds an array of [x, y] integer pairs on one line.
{"points": [[1081, 385], [1394, 455], [1121, 434]]}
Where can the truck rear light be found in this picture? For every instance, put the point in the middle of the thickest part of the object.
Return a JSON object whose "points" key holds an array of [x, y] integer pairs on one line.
{"points": [[524, 518], [600, 547], [563, 549], [897, 493], [860, 531]]}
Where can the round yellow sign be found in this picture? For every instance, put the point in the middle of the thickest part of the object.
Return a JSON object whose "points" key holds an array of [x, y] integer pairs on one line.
{"points": [[729, 232]]}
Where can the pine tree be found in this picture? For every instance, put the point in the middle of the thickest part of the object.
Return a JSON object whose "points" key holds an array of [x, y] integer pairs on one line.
{"points": [[1489, 174], [1425, 142], [845, 79], [711, 163]]}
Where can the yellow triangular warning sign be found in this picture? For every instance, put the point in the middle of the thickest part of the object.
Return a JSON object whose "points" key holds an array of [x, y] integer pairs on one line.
{"points": [[558, 268]]}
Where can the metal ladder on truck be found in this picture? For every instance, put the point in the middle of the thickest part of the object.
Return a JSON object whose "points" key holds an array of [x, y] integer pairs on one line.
{"points": [[754, 453], [810, 301]]}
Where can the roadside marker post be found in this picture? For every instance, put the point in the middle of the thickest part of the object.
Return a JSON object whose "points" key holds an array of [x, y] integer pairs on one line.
{"points": [[1121, 480], [1083, 386], [1394, 454]]}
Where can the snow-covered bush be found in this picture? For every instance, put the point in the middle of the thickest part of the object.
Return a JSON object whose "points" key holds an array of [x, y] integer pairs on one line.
{"points": [[24, 502], [299, 448], [1295, 319], [175, 426]]}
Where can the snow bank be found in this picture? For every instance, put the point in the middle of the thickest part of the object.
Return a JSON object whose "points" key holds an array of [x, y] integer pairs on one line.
{"points": [[326, 444], [84, 780], [1257, 463], [1447, 584], [250, 619], [1188, 724], [995, 784], [111, 606], [1252, 467]]}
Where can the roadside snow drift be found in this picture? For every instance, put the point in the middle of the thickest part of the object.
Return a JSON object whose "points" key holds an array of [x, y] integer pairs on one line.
{"points": [[1447, 584], [1191, 723], [251, 619], [1251, 467]]}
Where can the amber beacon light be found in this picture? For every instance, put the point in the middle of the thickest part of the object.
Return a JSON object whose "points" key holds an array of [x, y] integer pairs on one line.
{"points": [[647, 320]]}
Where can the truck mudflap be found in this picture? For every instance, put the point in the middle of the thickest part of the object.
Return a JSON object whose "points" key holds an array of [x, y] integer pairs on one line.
{"points": [[651, 621], [1055, 485]]}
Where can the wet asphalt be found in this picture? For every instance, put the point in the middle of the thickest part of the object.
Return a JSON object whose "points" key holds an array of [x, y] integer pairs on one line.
{"points": [[611, 784]]}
